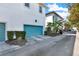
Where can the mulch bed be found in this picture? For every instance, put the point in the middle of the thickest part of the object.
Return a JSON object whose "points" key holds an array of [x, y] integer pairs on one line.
{"points": [[54, 34], [16, 42]]}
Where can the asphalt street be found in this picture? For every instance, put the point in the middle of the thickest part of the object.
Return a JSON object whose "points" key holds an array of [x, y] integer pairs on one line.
{"points": [[56, 46]]}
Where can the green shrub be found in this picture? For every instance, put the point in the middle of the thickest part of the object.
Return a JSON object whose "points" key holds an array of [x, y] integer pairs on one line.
{"points": [[45, 32], [17, 33], [10, 35], [20, 34]]}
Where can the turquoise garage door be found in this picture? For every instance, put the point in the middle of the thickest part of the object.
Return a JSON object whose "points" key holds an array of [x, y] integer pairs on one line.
{"points": [[32, 30], [2, 32]]}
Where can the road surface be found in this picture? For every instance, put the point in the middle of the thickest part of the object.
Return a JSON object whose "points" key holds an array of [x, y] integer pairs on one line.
{"points": [[58, 46]]}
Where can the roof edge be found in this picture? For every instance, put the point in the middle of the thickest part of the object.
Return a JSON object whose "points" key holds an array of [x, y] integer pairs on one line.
{"points": [[42, 4], [54, 13]]}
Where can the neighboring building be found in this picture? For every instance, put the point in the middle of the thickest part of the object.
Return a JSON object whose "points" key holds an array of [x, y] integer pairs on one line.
{"points": [[51, 17], [22, 17]]}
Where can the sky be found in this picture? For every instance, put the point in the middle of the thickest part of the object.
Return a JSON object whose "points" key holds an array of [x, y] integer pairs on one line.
{"points": [[60, 8]]}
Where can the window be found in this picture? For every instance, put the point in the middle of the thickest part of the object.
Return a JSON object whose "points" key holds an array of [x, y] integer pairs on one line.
{"points": [[53, 18], [27, 4], [40, 9]]}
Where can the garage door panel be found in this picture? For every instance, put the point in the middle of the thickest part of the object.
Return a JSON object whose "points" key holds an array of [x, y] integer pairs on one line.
{"points": [[33, 30], [2, 32]]}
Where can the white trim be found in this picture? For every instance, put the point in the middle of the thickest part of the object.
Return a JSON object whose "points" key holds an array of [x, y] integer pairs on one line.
{"points": [[6, 32]]}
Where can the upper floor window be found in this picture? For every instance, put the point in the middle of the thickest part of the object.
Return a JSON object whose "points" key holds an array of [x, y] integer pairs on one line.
{"points": [[27, 4], [40, 9], [53, 19]]}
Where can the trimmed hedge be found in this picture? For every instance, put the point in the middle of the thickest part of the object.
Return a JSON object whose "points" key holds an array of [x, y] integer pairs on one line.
{"points": [[10, 35], [20, 34], [17, 33]]}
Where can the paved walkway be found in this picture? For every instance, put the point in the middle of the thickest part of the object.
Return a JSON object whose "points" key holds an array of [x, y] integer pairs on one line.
{"points": [[56, 46], [76, 46]]}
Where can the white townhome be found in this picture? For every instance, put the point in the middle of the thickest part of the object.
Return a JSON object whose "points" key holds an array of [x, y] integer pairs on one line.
{"points": [[28, 17], [53, 16]]}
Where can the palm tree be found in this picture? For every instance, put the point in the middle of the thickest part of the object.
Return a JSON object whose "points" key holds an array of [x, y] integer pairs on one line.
{"points": [[55, 26]]}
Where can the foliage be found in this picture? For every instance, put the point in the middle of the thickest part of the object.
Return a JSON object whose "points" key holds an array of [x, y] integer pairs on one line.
{"points": [[74, 15], [10, 35], [18, 34], [68, 25], [48, 31], [54, 26], [57, 25]]}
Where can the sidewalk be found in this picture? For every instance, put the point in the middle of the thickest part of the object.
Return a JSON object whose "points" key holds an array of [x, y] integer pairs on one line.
{"points": [[76, 46]]}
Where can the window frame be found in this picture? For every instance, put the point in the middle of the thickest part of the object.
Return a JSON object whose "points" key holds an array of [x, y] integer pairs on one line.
{"points": [[40, 9]]}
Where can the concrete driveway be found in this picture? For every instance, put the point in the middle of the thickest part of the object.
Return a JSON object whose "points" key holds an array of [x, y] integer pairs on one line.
{"points": [[4, 47], [51, 46]]}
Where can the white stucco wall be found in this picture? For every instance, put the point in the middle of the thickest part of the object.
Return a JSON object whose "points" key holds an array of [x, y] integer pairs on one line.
{"points": [[48, 19], [15, 15]]}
